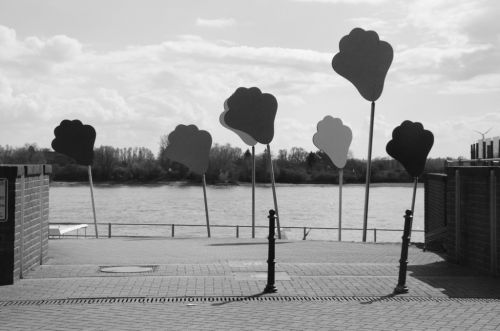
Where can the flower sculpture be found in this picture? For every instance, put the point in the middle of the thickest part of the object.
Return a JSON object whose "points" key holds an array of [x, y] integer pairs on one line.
{"points": [[410, 145], [76, 140], [252, 112], [190, 146], [333, 138], [364, 60]]}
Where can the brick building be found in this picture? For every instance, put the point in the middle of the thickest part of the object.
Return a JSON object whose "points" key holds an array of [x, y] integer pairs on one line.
{"points": [[462, 213]]}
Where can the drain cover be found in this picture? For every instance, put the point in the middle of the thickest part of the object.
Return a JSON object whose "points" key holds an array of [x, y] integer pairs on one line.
{"points": [[129, 269]]}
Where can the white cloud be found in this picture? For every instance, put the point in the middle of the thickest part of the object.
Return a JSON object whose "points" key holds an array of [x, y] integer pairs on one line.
{"points": [[142, 90], [193, 45], [449, 44], [55, 49], [475, 85], [215, 23]]}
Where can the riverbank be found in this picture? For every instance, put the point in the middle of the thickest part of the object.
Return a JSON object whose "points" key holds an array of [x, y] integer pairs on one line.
{"points": [[242, 184]]}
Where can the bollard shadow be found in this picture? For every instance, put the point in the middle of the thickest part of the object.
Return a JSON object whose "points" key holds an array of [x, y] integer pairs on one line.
{"points": [[239, 299], [380, 299]]}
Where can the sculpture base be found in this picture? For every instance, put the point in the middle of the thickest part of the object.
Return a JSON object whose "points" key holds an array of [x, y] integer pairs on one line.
{"points": [[270, 289], [401, 289]]}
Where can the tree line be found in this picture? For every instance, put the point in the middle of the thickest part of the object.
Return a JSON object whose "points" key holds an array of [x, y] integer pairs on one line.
{"points": [[227, 165]]}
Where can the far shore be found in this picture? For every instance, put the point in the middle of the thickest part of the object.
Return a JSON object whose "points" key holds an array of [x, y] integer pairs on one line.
{"points": [[188, 183]]}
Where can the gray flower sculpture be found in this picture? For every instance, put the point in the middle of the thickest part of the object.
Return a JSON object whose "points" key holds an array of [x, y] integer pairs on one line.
{"points": [[410, 145], [190, 146], [364, 60]]}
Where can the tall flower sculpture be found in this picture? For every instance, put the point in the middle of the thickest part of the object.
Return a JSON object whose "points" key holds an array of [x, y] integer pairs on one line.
{"points": [[364, 60]]}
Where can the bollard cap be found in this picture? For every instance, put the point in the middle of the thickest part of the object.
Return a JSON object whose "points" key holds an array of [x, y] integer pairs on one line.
{"points": [[408, 213], [272, 212]]}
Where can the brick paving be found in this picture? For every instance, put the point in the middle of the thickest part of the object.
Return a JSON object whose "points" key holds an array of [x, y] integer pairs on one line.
{"points": [[236, 268], [256, 316]]}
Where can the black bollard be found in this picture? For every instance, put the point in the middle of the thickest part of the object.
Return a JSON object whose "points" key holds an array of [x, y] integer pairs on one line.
{"points": [[403, 262], [270, 288]]}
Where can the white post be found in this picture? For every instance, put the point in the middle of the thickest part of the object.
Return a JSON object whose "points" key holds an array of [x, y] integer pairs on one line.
{"points": [[273, 185], [341, 180], [368, 172], [92, 198], [253, 191], [206, 205]]}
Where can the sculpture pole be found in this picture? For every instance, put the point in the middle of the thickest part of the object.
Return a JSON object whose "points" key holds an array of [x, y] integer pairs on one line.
{"points": [[341, 180], [253, 191], [368, 172], [415, 183], [273, 185], [92, 198], [206, 205]]}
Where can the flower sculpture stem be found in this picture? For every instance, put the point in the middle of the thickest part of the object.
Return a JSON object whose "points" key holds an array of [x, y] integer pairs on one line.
{"points": [[415, 183], [368, 172], [92, 199], [341, 182], [253, 191], [273, 185], [206, 204]]}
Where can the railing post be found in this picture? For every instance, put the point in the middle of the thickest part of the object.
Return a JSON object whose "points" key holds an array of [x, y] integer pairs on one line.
{"points": [[305, 233], [109, 230], [237, 231], [173, 230], [403, 262], [270, 288], [375, 235]]}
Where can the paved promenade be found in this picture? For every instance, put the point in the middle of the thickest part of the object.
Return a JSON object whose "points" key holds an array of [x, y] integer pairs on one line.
{"points": [[216, 284]]}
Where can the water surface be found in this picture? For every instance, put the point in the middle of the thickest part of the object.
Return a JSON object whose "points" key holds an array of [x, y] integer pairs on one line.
{"points": [[299, 205]]}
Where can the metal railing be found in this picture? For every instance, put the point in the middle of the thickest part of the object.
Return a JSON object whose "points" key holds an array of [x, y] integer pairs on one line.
{"points": [[173, 226]]}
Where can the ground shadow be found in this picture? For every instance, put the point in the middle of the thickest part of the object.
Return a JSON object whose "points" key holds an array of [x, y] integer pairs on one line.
{"points": [[456, 281]]}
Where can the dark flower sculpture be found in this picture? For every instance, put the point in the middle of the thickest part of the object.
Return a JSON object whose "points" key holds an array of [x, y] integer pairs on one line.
{"points": [[75, 140], [247, 139], [189, 146], [364, 60], [410, 145], [252, 112]]}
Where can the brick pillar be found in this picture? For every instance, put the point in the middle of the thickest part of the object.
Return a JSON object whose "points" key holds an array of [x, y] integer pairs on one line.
{"points": [[24, 234]]}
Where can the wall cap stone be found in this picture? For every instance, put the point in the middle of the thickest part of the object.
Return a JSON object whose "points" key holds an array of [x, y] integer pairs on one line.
{"points": [[29, 169]]}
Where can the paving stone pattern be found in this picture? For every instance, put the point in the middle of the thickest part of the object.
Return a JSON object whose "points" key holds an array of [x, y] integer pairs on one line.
{"points": [[212, 269]]}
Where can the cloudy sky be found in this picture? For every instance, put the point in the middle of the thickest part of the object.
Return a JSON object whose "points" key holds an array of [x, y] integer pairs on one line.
{"points": [[136, 69]]}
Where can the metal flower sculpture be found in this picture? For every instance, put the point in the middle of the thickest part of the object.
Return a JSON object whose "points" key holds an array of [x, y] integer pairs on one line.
{"points": [[190, 146], [364, 60], [76, 140], [410, 145]]}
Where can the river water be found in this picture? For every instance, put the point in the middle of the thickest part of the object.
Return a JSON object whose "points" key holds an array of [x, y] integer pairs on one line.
{"points": [[178, 203]]}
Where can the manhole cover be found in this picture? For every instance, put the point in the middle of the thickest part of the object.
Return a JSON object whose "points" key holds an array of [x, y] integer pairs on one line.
{"points": [[129, 269]]}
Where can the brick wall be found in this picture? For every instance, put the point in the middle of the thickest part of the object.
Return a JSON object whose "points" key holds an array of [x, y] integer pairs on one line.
{"points": [[24, 236], [435, 193], [472, 215]]}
